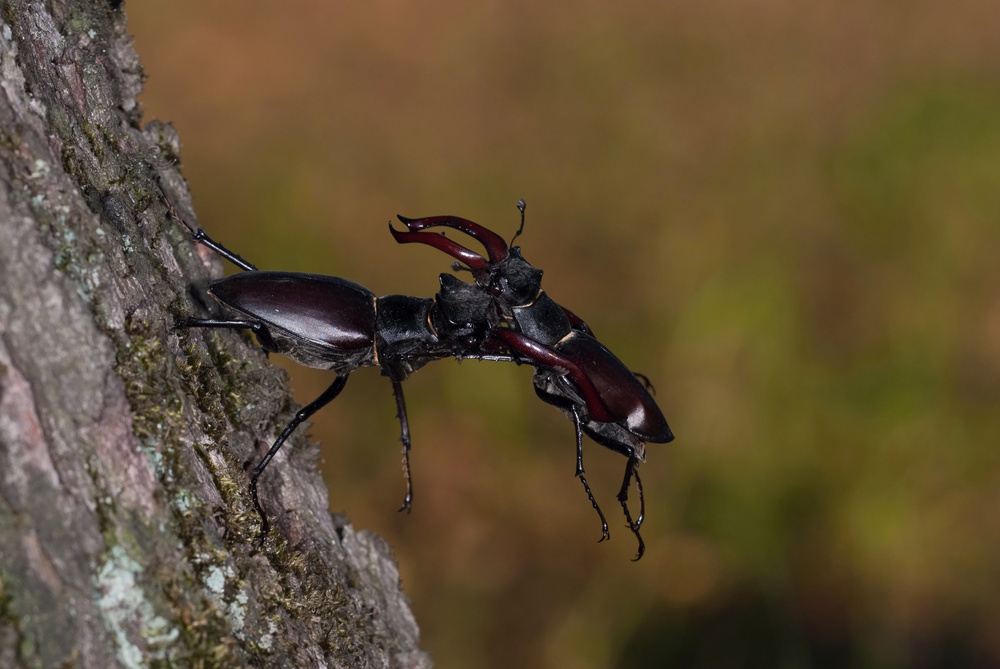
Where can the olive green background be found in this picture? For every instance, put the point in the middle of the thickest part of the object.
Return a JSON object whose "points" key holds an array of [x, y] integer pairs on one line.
{"points": [[786, 214]]}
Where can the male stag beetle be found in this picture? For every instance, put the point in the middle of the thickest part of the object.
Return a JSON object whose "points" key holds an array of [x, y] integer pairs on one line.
{"points": [[331, 323], [326, 322], [573, 370]]}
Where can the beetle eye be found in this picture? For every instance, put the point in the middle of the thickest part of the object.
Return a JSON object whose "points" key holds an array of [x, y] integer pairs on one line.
{"points": [[496, 289]]}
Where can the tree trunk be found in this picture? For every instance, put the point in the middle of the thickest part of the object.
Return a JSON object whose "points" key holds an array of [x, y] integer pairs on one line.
{"points": [[126, 528]]}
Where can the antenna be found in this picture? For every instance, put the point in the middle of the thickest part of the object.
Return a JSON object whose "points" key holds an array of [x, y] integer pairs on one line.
{"points": [[521, 205]]}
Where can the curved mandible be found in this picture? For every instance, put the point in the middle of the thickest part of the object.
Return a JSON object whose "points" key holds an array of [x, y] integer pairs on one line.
{"points": [[496, 247], [472, 259]]}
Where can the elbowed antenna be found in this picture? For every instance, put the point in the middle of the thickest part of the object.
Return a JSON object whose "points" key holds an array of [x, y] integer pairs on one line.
{"points": [[521, 206]]}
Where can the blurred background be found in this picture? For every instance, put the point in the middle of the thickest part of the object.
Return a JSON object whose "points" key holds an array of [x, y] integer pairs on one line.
{"points": [[784, 213]]}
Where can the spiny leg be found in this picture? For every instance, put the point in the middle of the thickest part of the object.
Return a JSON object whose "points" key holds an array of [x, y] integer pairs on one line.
{"points": [[198, 235], [579, 473], [328, 396], [234, 258], [404, 424], [631, 469], [645, 381], [257, 327], [216, 323]]}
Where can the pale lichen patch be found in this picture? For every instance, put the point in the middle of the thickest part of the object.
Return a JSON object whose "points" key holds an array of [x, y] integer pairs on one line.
{"points": [[139, 633]]}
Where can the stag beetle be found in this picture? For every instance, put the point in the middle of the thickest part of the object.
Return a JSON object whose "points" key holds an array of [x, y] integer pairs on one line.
{"points": [[331, 323], [573, 370]]}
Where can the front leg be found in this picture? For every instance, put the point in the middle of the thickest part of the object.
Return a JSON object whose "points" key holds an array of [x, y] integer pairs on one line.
{"points": [[404, 425], [199, 236]]}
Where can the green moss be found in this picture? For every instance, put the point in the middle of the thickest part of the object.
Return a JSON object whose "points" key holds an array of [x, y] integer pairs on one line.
{"points": [[218, 382], [69, 160], [7, 616], [92, 134], [8, 141], [76, 25], [140, 366]]}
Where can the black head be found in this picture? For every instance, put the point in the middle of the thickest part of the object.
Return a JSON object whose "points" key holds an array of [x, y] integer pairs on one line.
{"points": [[515, 282], [464, 310], [504, 273]]}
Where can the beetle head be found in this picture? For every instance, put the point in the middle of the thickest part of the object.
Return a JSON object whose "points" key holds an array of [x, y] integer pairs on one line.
{"points": [[464, 310], [514, 282], [504, 273]]}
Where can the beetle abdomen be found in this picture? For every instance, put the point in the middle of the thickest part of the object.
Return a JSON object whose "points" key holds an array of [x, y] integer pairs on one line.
{"points": [[327, 311], [622, 393]]}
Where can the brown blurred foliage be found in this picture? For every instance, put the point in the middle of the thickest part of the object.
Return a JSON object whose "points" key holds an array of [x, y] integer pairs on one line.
{"points": [[784, 213]]}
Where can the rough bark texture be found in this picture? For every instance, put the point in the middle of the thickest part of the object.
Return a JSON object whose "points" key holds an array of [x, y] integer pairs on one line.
{"points": [[126, 530]]}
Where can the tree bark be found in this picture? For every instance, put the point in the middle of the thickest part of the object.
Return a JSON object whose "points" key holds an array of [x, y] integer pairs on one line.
{"points": [[126, 528]]}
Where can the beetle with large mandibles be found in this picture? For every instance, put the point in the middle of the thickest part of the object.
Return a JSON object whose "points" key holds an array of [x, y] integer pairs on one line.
{"points": [[573, 370], [331, 323]]}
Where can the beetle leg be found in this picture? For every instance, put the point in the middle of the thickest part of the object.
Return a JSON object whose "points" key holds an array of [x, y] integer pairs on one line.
{"points": [[549, 357], [631, 469], [234, 258], [579, 474], [328, 396], [257, 327], [215, 323], [198, 235], [645, 381], [404, 425]]}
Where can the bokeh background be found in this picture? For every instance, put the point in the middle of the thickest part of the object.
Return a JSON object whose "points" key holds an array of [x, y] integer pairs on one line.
{"points": [[787, 214]]}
